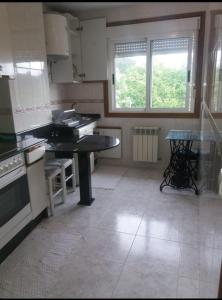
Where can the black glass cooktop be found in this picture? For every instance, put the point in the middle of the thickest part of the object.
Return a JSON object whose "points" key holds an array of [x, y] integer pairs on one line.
{"points": [[7, 147]]}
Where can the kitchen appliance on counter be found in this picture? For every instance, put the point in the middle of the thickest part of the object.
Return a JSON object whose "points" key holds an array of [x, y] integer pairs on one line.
{"points": [[15, 208], [65, 117], [65, 128], [36, 178]]}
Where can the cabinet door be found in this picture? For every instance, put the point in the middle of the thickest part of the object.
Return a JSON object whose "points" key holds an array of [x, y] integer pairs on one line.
{"points": [[94, 49], [37, 187], [6, 59], [69, 70], [75, 45]]}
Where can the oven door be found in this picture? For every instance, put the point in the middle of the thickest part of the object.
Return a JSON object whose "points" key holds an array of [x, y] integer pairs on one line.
{"points": [[14, 201]]}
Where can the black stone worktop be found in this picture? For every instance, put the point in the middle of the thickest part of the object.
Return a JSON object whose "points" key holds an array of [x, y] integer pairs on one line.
{"points": [[88, 143], [10, 148], [12, 144]]}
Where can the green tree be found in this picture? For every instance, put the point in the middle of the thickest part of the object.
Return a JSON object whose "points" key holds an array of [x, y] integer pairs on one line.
{"points": [[168, 86]]}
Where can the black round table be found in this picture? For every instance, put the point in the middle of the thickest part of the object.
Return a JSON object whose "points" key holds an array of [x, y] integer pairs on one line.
{"points": [[84, 146]]}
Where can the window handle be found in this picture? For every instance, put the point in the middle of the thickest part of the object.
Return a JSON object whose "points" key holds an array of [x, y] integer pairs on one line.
{"points": [[188, 76], [113, 79]]}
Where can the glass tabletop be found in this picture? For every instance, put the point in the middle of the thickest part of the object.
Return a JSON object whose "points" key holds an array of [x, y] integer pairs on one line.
{"points": [[189, 135], [185, 135]]}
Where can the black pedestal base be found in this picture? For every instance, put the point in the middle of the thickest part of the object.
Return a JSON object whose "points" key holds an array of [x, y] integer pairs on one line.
{"points": [[85, 179], [88, 203]]}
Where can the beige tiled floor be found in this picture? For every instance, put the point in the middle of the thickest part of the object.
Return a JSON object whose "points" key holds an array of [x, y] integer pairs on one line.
{"points": [[133, 241]]}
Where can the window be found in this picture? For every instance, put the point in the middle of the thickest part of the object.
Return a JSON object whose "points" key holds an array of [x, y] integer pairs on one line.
{"points": [[154, 72], [170, 74], [215, 84], [129, 79]]}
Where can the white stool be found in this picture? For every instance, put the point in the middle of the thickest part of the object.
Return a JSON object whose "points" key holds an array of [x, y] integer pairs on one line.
{"points": [[51, 173], [64, 163]]}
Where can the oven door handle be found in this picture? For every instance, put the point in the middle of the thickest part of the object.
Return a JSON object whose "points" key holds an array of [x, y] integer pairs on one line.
{"points": [[12, 176]]}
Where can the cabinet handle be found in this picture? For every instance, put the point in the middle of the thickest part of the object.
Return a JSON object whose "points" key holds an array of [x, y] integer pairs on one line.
{"points": [[1, 68]]}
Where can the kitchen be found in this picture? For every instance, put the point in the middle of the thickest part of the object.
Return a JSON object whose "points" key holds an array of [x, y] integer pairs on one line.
{"points": [[114, 233]]}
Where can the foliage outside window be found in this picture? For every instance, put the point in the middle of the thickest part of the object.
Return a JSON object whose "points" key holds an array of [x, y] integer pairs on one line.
{"points": [[154, 75]]}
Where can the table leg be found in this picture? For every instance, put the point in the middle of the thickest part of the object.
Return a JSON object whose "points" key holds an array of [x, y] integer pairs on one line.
{"points": [[85, 179]]}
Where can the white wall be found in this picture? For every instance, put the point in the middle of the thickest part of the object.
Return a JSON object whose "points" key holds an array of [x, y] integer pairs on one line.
{"points": [[89, 97], [144, 10]]}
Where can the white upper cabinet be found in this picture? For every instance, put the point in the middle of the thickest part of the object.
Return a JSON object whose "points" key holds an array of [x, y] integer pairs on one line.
{"points": [[88, 52], [94, 49], [6, 59], [69, 70]]}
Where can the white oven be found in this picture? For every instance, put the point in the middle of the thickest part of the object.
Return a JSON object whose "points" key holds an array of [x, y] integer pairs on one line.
{"points": [[15, 209]]}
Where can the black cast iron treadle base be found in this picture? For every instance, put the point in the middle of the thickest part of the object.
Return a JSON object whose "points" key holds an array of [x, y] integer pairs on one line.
{"points": [[179, 173]]}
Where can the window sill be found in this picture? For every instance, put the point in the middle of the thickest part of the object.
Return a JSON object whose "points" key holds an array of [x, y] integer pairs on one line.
{"points": [[150, 115]]}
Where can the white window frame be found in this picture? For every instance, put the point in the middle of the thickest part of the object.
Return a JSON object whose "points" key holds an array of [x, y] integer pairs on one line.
{"points": [[190, 67], [192, 34], [217, 107], [112, 71]]}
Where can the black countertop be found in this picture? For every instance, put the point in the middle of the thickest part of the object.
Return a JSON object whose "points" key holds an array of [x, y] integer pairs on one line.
{"points": [[88, 143], [8, 149], [12, 144]]}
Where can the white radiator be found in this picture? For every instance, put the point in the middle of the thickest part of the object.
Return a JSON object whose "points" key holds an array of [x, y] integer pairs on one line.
{"points": [[145, 143]]}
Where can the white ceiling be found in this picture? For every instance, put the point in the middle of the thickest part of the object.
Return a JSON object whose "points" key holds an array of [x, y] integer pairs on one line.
{"points": [[85, 6]]}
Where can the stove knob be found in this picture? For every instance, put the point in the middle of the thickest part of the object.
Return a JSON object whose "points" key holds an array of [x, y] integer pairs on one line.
{"points": [[1, 170], [5, 167]]}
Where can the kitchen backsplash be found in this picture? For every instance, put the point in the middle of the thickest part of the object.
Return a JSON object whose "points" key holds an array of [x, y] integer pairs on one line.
{"points": [[84, 97]]}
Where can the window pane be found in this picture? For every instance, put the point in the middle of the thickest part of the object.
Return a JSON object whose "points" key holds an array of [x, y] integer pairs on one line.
{"points": [[169, 61], [130, 81]]}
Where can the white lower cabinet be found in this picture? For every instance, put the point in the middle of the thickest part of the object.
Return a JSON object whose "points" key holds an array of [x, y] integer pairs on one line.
{"points": [[37, 187]]}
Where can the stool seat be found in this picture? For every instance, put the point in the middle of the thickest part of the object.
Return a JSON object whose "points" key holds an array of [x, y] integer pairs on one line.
{"points": [[59, 162], [52, 171]]}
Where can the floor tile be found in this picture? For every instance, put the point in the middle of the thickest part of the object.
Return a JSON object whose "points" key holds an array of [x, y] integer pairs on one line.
{"points": [[97, 244], [145, 281], [163, 254], [83, 277], [188, 288], [133, 241], [189, 262], [163, 227], [121, 221], [208, 290]]}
